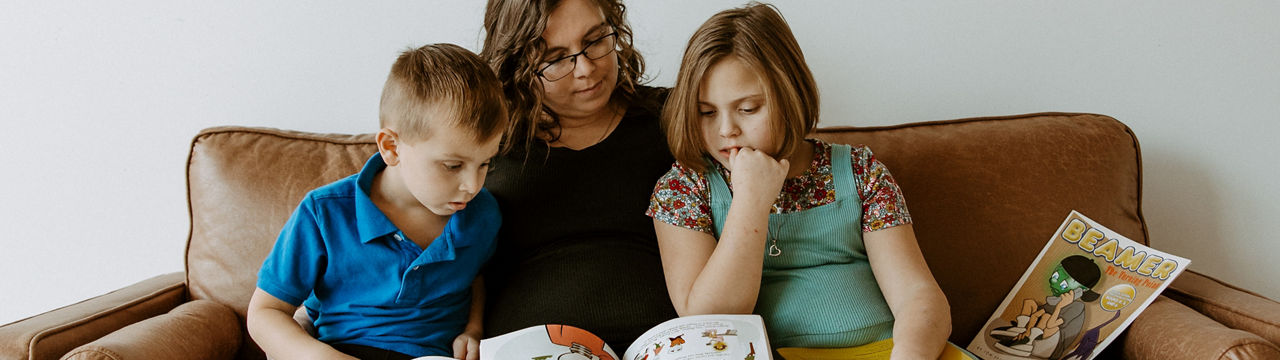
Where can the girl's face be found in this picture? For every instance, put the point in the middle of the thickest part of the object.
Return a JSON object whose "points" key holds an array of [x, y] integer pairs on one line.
{"points": [[587, 89], [734, 111]]}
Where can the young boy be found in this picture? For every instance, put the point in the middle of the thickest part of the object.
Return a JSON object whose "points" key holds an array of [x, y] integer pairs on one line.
{"points": [[387, 260]]}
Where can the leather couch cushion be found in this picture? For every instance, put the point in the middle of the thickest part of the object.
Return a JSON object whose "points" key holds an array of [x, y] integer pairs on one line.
{"points": [[1238, 309], [199, 329], [1168, 329], [243, 183]]}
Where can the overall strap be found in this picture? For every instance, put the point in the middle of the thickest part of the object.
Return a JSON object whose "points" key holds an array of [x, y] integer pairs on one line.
{"points": [[842, 172], [721, 197]]}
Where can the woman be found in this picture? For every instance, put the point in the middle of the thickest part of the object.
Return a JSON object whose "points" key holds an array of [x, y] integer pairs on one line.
{"points": [[574, 180]]}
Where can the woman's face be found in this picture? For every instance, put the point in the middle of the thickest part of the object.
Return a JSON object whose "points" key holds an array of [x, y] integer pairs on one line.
{"points": [[587, 89]]}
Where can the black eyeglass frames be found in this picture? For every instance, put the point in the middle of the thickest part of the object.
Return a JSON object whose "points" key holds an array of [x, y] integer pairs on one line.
{"points": [[563, 66]]}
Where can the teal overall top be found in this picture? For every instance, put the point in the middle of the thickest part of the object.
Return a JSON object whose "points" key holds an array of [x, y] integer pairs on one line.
{"points": [[819, 292]]}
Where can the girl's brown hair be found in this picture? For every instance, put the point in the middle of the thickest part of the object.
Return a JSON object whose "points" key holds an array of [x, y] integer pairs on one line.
{"points": [[759, 37], [513, 47]]}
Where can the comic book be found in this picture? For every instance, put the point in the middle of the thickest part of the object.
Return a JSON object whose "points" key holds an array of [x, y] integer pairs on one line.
{"points": [[736, 337], [1085, 287]]}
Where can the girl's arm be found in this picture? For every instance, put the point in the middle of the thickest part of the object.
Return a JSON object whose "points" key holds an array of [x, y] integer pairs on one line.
{"points": [[271, 324], [705, 276], [922, 318], [467, 345]]}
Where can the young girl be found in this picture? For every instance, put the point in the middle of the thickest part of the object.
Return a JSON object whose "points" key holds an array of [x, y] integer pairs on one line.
{"points": [[814, 237]]}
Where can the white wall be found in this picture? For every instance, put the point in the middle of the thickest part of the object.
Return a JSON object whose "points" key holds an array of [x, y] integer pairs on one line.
{"points": [[98, 102]]}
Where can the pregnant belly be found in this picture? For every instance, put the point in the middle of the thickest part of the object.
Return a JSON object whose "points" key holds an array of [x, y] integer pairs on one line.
{"points": [[613, 289]]}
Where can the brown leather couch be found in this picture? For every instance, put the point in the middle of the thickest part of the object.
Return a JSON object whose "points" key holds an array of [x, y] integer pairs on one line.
{"points": [[985, 195]]}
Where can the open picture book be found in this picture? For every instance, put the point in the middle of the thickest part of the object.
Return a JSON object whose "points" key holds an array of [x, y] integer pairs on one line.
{"points": [[690, 337], [1085, 287], [737, 337]]}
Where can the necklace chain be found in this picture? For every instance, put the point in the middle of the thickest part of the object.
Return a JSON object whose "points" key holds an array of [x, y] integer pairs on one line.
{"points": [[774, 250], [604, 134], [613, 121]]}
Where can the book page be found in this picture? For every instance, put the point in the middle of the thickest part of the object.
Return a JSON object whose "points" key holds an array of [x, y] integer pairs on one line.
{"points": [[1085, 287], [547, 342], [737, 337]]}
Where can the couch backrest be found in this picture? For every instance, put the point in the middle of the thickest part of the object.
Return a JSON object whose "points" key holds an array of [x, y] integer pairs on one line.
{"points": [[242, 185], [985, 195]]}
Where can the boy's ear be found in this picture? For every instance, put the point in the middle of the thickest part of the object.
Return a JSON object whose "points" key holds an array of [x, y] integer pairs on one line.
{"points": [[387, 141]]}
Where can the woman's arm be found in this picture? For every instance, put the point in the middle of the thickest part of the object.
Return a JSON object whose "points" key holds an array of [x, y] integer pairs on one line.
{"points": [[922, 318], [271, 324], [706, 276]]}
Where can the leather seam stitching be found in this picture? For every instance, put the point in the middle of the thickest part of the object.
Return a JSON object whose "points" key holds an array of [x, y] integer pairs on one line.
{"points": [[1263, 345], [320, 138], [41, 335], [107, 352], [1218, 307]]}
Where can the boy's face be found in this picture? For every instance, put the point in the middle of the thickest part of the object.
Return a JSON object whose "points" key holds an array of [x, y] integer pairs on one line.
{"points": [[734, 111], [446, 170]]}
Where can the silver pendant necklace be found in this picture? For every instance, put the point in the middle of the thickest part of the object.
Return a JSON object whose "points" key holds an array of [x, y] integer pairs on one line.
{"points": [[774, 250]]}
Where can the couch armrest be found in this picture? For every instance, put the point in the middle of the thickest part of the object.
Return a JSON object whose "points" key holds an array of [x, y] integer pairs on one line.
{"points": [[196, 330], [1168, 329], [1232, 306], [52, 334]]}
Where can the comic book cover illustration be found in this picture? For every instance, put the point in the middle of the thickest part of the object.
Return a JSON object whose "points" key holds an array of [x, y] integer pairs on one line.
{"points": [[1085, 287]]}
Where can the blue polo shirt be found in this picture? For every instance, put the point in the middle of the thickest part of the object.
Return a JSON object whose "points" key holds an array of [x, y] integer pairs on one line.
{"points": [[365, 282]]}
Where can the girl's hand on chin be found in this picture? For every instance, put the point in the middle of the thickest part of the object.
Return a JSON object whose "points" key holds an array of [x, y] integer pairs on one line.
{"points": [[757, 174]]}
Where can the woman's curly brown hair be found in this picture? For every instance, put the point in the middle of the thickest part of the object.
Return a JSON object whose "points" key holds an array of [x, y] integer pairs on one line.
{"points": [[513, 47]]}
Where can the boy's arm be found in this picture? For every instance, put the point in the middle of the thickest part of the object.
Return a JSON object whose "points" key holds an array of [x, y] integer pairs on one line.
{"points": [[467, 345], [922, 317], [271, 324], [304, 320]]}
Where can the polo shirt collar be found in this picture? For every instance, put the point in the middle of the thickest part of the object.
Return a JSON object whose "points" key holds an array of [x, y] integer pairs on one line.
{"points": [[459, 224], [371, 223]]}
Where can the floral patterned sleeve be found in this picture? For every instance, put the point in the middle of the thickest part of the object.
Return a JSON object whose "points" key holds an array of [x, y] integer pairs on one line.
{"points": [[681, 198], [882, 203]]}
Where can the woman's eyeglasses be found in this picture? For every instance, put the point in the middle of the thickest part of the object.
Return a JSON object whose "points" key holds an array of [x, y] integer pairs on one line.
{"points": [[563, 66]]}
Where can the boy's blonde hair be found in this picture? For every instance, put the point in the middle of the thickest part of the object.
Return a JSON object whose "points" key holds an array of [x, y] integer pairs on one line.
{"points": [[759, 37], [513, 46], [441, 82]]}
